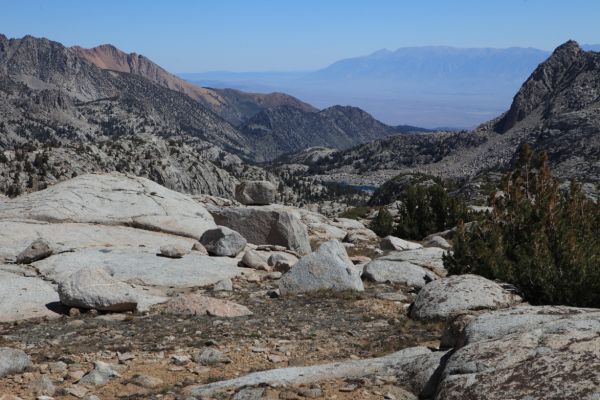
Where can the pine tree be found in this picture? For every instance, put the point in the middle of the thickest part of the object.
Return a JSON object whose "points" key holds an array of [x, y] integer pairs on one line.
{"points": [[545, 242], [383, 224]]}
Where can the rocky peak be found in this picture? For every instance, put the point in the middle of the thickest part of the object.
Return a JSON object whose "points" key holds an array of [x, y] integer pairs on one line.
{"points": [[234, 106], [40, 63], [548, 79], [107, 56]]}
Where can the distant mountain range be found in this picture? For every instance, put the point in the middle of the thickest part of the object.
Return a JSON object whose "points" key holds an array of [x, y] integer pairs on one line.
{"points": [[52, 93], [556, 110], [428, 86]]}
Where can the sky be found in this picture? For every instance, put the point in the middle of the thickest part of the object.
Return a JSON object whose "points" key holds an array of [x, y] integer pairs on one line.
{"points": [[296, 35]]}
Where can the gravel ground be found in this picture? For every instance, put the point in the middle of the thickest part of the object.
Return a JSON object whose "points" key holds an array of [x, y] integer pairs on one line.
{"points": [[302, 330]]}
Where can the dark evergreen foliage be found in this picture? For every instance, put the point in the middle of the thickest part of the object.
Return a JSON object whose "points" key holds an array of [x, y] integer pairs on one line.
{"points": [[428, 209], [538, 238], [383, 224]]}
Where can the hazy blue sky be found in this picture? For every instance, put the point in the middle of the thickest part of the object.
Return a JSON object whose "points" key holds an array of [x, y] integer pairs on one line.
{"points": [[253, 35]]}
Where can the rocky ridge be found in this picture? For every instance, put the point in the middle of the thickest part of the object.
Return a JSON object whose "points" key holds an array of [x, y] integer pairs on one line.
{"points": [[280, 130], [49, 93], [232, 105]]}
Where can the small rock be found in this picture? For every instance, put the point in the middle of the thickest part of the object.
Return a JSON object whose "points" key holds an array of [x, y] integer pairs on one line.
{"points": [[37, 250], [249, 394], [179, 359], [173, 251], [124, 357], [9, 397], [199, 247], [42, 386], [147, 382], [224, 285], [273, 275], [74, 312], [223, 242], [255, 193], [360, 236], [210, 356], [289, 395], [13, 361], [75, 375], [392, 296], [58, 367], [77, 391], [100, 375], [195, 304], [275, 358], [259, 349], [282, 262], [311, 393], [252, 277], [438, 241], [253, 259], [360, 259], [270, 247]]}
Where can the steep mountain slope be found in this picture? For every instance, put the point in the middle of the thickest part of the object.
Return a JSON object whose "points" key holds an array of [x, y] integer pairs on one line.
{"points": [[232, 105], [566, 82], [48, 92], [556, 110], [240, 106], [172, 164], [285, 129]]}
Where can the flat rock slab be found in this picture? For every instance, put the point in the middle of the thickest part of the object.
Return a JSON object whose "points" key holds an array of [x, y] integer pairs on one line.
{"points": [[26, 297], [348, 224], [395, 243], [496, 324], [142, 266], [16, 235], [403, 272], [445, 298], [556, 359], [403, 360], [113, 199], [324, 232], [430, 257]]}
